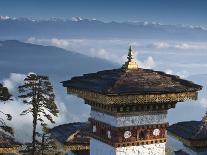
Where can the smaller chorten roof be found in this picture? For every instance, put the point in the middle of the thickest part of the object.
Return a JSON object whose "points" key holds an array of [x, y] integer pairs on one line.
{"points": [[191, 133], [67, 133]]}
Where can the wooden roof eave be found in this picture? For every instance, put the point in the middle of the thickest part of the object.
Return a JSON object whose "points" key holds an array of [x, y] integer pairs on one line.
{"points": [[132, 98]]}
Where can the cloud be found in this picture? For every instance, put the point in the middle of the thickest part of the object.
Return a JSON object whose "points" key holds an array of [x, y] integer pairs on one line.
{"points": [[76, 19], [21, 124], [160, 45], [113, 50], [203, 102], [180, 46], [83, 45], [13, 81], [149, 63], [168, 54], [169, 71], [59, 42], [182, 74]]}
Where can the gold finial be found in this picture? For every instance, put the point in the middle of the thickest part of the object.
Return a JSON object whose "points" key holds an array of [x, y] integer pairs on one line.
{"points": [[131, 63], [130, 54]]}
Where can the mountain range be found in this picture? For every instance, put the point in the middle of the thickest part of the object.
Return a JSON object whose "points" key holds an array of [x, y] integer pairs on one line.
{"points": [[23, 28]]}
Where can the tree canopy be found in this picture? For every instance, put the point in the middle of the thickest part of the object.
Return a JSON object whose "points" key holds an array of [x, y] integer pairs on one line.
{"points": [[37, 93]]}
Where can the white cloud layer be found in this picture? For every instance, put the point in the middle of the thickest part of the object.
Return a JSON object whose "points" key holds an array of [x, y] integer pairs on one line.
{"points": [[103, 49], [203, 102], [182, 57], [13, 81], [180, 46]]}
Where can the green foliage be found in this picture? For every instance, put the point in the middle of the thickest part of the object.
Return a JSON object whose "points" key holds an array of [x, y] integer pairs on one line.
{"points": [[37, 93]]}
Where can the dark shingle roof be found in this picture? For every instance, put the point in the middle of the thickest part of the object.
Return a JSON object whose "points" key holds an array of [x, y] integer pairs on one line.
{"points": [[136, 81], [181, 152], [62, 132], [191, 130]]}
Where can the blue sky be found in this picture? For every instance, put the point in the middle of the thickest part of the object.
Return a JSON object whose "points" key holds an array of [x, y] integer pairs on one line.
{"points": [[190, 12]]}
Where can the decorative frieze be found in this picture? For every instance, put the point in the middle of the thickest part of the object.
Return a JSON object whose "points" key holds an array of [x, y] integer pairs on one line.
{"points": [[121, 121], [132, 135], [131, 109], [129, 99], [76, 147], [9, 150]]}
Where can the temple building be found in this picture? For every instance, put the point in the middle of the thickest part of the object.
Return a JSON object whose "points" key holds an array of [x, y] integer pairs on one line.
{"points": [[193, 135], [71, 138], [8, 145], [129, 107]]}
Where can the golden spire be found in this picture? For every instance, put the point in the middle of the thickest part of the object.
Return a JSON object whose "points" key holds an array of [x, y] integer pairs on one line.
{"points": [[131, 63]]}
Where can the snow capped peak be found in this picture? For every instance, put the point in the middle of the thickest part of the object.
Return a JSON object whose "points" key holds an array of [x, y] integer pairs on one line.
{"points": [[76, 19], [145, 23], [4, 17]]}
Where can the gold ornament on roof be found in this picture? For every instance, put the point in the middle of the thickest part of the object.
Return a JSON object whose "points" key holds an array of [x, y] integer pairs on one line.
{"points": [[131, 63]]}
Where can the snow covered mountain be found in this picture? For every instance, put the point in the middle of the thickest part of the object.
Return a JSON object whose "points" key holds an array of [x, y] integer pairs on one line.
{"points": [[77, 27]]}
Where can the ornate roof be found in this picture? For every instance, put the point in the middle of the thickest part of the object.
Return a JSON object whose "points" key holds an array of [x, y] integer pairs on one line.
{"points": [[191, 133], [180, 152], [191, 130], [71, 133], [131, 80]]}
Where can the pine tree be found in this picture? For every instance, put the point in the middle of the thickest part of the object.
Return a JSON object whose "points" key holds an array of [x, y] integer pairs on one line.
{"points": [[4, 93], [5, 96], [37, 93], [47, 142]]}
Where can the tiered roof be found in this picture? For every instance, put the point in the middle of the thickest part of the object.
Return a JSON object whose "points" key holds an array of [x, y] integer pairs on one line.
{"points": [[191, 133], [132, 80], [139, 81], [71, 133]]}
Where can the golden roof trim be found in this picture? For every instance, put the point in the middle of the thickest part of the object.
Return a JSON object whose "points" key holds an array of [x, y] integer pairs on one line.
{"points": [[14, 149], [128, 99], [76, 147]]}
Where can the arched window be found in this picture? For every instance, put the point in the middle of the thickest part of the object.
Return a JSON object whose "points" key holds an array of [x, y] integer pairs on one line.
{"points": [[141, 135]]}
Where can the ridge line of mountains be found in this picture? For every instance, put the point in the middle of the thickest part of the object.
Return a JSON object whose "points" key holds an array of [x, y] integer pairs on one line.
{"points": [[23, 28]]}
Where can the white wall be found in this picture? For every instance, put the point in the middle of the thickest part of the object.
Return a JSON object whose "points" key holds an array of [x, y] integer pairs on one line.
{"points": [[129, 120], [100, 148]]}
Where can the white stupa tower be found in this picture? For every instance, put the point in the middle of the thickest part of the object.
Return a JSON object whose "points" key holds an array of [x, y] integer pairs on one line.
{"points": [[129, 107]]}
